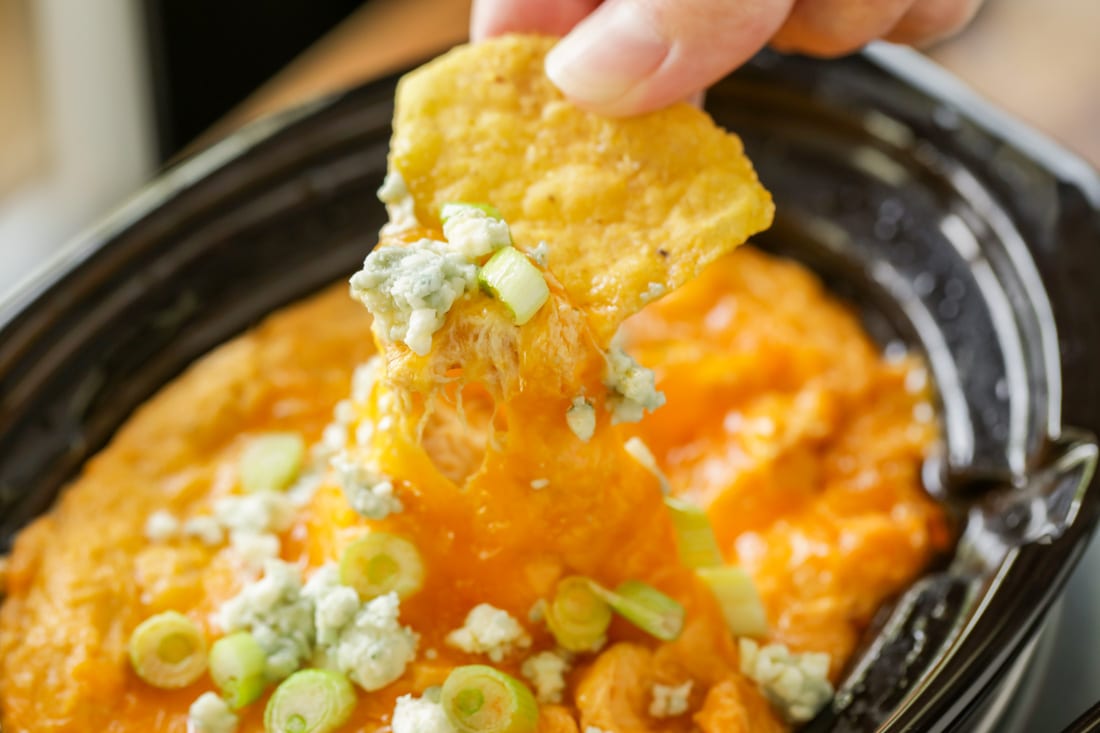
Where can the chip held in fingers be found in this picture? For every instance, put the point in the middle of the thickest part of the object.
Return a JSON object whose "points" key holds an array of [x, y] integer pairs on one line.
{"points": [[628, 208]]}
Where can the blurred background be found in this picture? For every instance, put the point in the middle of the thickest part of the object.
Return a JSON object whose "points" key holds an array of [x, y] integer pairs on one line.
{"points": [[97, 95]]}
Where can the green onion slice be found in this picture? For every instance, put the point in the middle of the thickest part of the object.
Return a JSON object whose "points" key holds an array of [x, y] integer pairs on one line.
{"points": [[737, 596], [480, 699], [694, 534], [511, 278], [456, 207], [310, 701], [578, 616], [647, 608], [379, 563], [168, 650], [272, 462], [238, 667]]}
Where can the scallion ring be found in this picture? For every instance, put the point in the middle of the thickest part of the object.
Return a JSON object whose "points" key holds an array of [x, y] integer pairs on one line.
{"points": [[272, 462], [451, 208], [647, 608], [694, 534], [168, 650], [738, 598], [238, 666], [480, 699], [512, 279], [379, 563], [578, 616], [310, 701]]}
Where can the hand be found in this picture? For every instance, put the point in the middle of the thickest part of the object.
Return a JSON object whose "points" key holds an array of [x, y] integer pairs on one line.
{"points": [[624, 57]]}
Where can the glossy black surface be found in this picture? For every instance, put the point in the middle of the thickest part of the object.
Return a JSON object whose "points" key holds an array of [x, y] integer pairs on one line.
{"points": [[948, 227], [1089, 722]]}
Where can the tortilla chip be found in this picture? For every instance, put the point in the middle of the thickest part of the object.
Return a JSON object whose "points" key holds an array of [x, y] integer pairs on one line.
{"points": [[630, 208]]}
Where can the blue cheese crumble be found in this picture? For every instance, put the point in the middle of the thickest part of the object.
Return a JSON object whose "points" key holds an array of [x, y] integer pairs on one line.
{"points": [[541, 254], [409, 290], [489, 631], [633, 387], [419, 715], [796, 684], [364, 641], [259, 513], [207, 530], [546, 671], [278, 615], [670, 701], [581, 418], [370, 494], [400, 207], [210, 714], [473, 233]]}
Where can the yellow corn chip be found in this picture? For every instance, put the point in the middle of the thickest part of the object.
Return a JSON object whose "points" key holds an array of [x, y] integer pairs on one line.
{"points": [[630, 208]]}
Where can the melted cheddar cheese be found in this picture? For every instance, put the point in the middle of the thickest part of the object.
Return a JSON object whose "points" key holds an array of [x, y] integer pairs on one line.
{"points": [[783, 420]]}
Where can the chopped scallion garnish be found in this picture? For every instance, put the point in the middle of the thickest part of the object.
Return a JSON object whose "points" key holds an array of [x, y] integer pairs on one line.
{"points": [[272, 462], [168, 650], [694, 534], [511, 277], [455, 207], [578, 616], [379, 563], [310, 701], [738, 598], [647, 608], [480, 699], [238, 667]]}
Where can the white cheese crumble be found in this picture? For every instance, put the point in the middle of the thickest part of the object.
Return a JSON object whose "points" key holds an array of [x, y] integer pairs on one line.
{"points": [[254, 549], [161, 526], [640, 452], [278, 615], [633, 387], [210, 714], [370, 494], [473, 233], [546, 670], [207, 530], [670, 701], [260, 512], [400, 207], [490, 631], [796, 684], [581, 418], [419, 715], [594, 729], [653, 291], [541, 254], [410, 289], [364, 641], [539, 483]]}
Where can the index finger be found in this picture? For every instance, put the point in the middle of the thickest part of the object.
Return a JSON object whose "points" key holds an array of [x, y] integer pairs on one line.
{"points": [[553, 17]]}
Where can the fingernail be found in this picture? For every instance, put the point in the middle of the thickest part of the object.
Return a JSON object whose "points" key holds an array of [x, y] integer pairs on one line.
{"points": [[607, 55]]}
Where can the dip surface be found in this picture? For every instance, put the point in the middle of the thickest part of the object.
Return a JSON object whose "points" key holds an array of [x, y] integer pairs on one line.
{"points": [[783, 419]]}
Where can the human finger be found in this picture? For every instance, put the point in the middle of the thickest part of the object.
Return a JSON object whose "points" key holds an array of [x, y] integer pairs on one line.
{"points": [[837, 27], [933, 20], [490, 18], [632, 56]]}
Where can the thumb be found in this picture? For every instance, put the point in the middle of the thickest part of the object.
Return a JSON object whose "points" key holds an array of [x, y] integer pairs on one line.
{"points": [[633, 56]]}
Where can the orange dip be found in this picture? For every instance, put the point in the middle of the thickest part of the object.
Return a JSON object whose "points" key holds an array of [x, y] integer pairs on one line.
{"points": [[782, 419]]}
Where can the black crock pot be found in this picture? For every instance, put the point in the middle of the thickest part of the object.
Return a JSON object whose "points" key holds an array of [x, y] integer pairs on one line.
{"points": [[948, 225]]}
